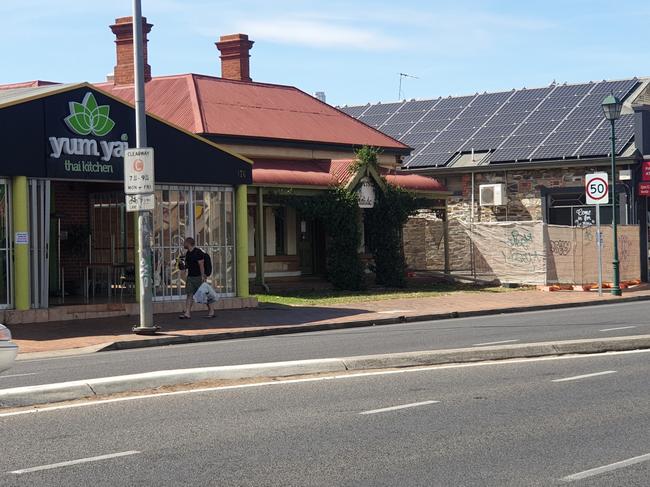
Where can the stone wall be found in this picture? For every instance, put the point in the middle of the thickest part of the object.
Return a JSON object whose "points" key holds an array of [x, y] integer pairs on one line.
{"points": [[524, 204], [424, 242]]}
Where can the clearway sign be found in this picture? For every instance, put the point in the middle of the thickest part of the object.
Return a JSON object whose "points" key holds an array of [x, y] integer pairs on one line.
{"points": [[597, 188], [138, 171]]}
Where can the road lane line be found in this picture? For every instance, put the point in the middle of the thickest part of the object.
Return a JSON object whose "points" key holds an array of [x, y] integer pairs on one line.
{"points": [[607, 468], [585, 376], [493, 343], [74, 462], [413, 370], [618, 328], [403, 406], [17, 375]]}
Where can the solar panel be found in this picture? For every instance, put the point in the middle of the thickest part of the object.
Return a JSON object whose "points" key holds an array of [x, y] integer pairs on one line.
{"points": [[420, 138], [402, 117], [396, 129], [430, 160], [383, 108], [468, 123], [571, 90], [519, 106], [557, 121], [430, 126], [440, 114], [484, 144], [555, 151], [532, 94], [455, 102], [418, 106], [374, 120], [460, 135], [355, 111], [510, 154], [525, 140]]}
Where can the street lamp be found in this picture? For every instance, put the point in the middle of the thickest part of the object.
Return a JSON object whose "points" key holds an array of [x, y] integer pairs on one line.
{"points": [[612, 109]]}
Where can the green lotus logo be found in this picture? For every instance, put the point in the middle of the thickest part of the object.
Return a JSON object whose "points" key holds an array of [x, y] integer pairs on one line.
{"points": [[89, 118]]}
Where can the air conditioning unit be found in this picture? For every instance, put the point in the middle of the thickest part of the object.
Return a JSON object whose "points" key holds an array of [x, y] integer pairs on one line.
{"points": [[492, 194]]}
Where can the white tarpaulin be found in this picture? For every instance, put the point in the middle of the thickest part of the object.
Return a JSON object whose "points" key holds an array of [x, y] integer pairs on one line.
{"points": [[511, 251]]}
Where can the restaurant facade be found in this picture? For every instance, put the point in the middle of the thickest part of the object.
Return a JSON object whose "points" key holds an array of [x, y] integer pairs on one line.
{"points": [[66, 235]]}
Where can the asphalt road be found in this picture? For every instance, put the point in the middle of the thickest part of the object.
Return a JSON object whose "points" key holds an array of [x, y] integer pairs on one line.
{"points": [[534, 423], [588, 322]]}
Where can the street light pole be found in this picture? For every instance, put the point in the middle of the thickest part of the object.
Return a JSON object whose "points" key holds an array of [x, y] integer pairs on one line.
{"points": [[616, 287], [612, 108], [146, 326]]}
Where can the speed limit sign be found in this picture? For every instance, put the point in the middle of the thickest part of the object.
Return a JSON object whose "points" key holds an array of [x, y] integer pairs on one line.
{"points": [[597, 188]]}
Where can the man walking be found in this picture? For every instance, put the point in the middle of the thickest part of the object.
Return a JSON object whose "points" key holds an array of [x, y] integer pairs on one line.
{"points": [[195, 267]]}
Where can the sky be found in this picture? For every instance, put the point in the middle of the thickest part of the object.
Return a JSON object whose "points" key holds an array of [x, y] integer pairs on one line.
{"points": [[353, 50]]}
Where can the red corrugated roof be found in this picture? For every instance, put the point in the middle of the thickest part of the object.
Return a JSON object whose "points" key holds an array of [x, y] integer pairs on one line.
{"points": [[326, 173], [210, 105], [27, 84], [412, 182]]}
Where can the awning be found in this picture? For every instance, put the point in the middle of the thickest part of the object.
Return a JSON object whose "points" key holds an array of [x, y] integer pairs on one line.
{"points": [[322, 174]]}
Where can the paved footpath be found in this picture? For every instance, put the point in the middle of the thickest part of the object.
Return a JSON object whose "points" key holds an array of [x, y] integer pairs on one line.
{"points": [[43, 339]]}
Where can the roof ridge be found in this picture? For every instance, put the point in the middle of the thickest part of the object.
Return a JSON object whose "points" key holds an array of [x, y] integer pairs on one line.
{"points": [[352, 118], [199, 117], [524, 88]]}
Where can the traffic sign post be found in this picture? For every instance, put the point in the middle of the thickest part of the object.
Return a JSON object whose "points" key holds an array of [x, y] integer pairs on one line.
{"points": [[597, 193]]}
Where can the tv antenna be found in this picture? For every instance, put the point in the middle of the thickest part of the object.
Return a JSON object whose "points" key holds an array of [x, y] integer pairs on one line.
{"points": [[401, 77]]}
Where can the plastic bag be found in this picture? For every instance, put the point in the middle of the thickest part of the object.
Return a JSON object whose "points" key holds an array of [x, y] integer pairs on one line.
{"points": [[205, 294]]}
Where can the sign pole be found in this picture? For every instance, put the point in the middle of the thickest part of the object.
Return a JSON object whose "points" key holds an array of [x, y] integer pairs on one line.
{"points": [[599, 244], [597, 193], [146, 326]]}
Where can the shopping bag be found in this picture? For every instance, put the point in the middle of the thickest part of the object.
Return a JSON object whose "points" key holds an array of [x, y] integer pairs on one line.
{"points": [[205, 294]]}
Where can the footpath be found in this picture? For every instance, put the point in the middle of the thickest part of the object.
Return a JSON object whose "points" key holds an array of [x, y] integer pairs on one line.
{"points": [[86, 336]]}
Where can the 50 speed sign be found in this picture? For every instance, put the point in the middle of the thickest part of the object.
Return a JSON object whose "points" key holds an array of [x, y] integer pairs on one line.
{"points": [[597, 188]]}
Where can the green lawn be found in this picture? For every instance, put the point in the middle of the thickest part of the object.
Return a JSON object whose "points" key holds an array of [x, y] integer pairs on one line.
{"points": [[329, 297]]}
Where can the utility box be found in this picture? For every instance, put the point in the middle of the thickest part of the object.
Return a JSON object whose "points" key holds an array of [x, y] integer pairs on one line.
{"points": [[492, 194]]}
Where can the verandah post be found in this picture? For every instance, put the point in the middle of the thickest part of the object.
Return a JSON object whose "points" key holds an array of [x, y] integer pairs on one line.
{"points": [[20, 220], [241, 239]]}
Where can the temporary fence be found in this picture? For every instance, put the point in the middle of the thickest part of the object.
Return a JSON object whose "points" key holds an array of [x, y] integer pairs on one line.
{"points": [[524, 252]]}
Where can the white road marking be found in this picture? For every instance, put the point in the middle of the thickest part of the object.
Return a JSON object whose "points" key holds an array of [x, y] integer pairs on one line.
{"points": [[607, 468], [315, 379], [585, 376], [403, 406], [493, 343], [618, 328], [74, 462], [17, 375]]}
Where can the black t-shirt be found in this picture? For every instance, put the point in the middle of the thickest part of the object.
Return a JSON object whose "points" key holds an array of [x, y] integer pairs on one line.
{"points": [[192, 258]]}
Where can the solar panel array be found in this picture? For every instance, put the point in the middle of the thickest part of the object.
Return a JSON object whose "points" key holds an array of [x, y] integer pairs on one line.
{"points": [[556, 122]]}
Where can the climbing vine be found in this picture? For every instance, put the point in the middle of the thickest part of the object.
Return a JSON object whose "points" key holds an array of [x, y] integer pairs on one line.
{"points": [[338, 211], [384, 225], [385, 221]]}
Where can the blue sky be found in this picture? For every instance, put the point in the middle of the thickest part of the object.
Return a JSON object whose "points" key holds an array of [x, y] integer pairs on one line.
{"points": [[353, 50]]}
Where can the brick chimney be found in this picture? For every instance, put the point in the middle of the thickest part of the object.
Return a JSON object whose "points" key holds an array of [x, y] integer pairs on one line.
{"points": [[235, 56], [123, 30]]}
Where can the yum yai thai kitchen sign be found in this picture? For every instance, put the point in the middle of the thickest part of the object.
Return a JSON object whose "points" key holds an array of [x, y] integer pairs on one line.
{"points": [[87, 136]]}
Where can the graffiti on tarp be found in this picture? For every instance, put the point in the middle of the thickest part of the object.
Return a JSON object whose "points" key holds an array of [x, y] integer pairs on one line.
{"points": [[520, 253], [517, 239], [560, 247], [624, 247]]}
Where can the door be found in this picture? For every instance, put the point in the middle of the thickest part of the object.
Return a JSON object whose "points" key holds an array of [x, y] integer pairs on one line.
{"points": [[39, 242], [5, 246], [306, 246]]}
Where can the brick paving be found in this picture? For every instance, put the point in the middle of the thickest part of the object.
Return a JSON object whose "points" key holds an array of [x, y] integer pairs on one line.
{"points": [[61, 336]]}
